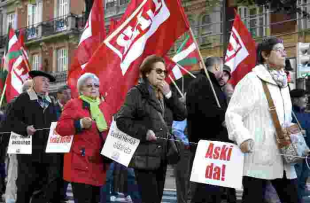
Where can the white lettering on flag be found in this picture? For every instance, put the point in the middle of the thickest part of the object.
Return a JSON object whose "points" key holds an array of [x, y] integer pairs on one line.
{"points": [[119, 146], [87, 31], [218, 163], [131, 42], [236, 51]]}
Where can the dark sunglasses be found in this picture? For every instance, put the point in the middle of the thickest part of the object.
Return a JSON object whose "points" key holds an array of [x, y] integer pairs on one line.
{"points": [[92, 85], [160, 71]]}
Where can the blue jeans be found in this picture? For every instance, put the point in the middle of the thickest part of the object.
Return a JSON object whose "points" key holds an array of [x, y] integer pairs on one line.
{"points": [[302, 172], [132, 188]]}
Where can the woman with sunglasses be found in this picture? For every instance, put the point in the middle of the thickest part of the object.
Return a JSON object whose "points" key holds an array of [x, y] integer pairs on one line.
{"points": [[83, 117], [149, 108]]}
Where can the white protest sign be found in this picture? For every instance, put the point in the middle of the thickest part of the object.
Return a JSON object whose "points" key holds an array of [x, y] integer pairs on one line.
{"points": [[218, 163], [19, 144], [119, 146], [57, 143]]}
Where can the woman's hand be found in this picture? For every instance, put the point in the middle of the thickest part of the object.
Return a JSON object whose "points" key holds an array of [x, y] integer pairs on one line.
{"points": [[247, 146], [86, 122], [164, 87], [150, 135]]}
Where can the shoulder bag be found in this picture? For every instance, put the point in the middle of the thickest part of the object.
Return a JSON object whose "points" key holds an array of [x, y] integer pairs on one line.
{"points": [[291, 145]]}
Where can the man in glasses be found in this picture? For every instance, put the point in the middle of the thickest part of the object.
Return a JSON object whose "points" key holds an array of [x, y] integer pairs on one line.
{"points": [[202, 107]]}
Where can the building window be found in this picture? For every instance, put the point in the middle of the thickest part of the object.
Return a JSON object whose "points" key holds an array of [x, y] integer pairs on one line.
{"points": [[303, 22], [35, 62], [123, 2], [206, 27], [11, 20], [110, 3], [63, 8], [62, 59], [255, 20]]}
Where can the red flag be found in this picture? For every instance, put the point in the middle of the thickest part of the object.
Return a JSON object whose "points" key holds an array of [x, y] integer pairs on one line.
{"points": [[18, 67], [241, 51], [113, 24], [92, 36], [147, 27]]}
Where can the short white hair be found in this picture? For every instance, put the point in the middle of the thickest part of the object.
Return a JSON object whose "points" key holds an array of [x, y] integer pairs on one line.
{"points": [[81, 81]]}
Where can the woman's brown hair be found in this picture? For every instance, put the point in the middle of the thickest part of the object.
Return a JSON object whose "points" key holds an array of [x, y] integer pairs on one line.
{"points": [[147, 64]]}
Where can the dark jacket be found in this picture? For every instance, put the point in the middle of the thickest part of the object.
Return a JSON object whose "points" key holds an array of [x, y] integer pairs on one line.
{"points": [[304, 120], [139, 114], [27, 111], [205, 118]]}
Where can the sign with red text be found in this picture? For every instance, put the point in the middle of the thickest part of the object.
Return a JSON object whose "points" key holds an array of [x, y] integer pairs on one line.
{"points": [[119, 146], [218, 163], [19, 144], [57, 143]]}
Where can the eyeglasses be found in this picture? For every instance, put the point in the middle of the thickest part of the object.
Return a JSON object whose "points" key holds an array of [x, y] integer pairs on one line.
{"points": [[279, 50], [160, 71], [92, 85]]}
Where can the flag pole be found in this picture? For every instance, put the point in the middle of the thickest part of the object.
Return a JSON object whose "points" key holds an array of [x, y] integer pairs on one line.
{"points": [[2, 95], [191, 74], [205, 69], [176, 86]]}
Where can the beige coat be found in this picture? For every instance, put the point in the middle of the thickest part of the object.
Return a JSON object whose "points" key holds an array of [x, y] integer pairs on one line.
{"points": [[247, 117]]}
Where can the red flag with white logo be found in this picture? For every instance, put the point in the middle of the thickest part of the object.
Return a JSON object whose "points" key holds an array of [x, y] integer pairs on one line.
{"points": [[147, 27], [18, 67], [241, 51], [92, 36]]}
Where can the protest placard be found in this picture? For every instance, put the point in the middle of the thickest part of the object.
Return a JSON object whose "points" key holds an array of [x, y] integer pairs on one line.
{"points": [[57, 143], [119, 146], [19, 144], [218, 163]]}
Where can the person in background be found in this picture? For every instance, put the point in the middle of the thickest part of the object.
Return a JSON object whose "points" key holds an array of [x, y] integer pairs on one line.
{"points": [[182, 168], [144, 115], [11, 190], [202, 106], [300, 101], [87, 119], [63, 96], [32, 115], [251, 127]]}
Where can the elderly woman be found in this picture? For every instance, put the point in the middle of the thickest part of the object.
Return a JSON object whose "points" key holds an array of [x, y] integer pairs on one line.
{"points": [[84, 118], [250, 125], [148, 108]]}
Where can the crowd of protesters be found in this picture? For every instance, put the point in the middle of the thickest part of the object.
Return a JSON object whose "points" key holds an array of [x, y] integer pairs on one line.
{"points": [[151, 112]]}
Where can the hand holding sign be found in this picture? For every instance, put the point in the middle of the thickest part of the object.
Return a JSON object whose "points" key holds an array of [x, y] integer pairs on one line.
{"points": [[31, 130], [86, 122]]}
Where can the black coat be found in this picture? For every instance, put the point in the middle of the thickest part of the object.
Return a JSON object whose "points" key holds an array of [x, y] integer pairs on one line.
{"points": [[205, 118], [26, 112], [139, 114]]}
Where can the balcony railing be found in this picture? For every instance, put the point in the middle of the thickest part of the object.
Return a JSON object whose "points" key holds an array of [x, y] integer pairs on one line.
{"points": [[3, 40], [60, 76], [57, 25]]}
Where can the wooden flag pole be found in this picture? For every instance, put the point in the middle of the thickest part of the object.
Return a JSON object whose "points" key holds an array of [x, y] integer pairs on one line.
{"points": [[2, 95], [205, 69], [191, 74], [176, 86]]}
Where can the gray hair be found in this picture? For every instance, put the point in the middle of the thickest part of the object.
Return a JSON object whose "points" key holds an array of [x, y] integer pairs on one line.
{"points": [[27, 85], [211, 61], [81, 81]]}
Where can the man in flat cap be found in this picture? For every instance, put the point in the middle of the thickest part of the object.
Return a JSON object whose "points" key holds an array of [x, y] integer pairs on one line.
{"points": [[300, 100], [31, 115]]}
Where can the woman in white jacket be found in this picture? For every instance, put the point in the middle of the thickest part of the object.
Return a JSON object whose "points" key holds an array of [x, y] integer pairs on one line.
{"points": [[250, 125]]}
